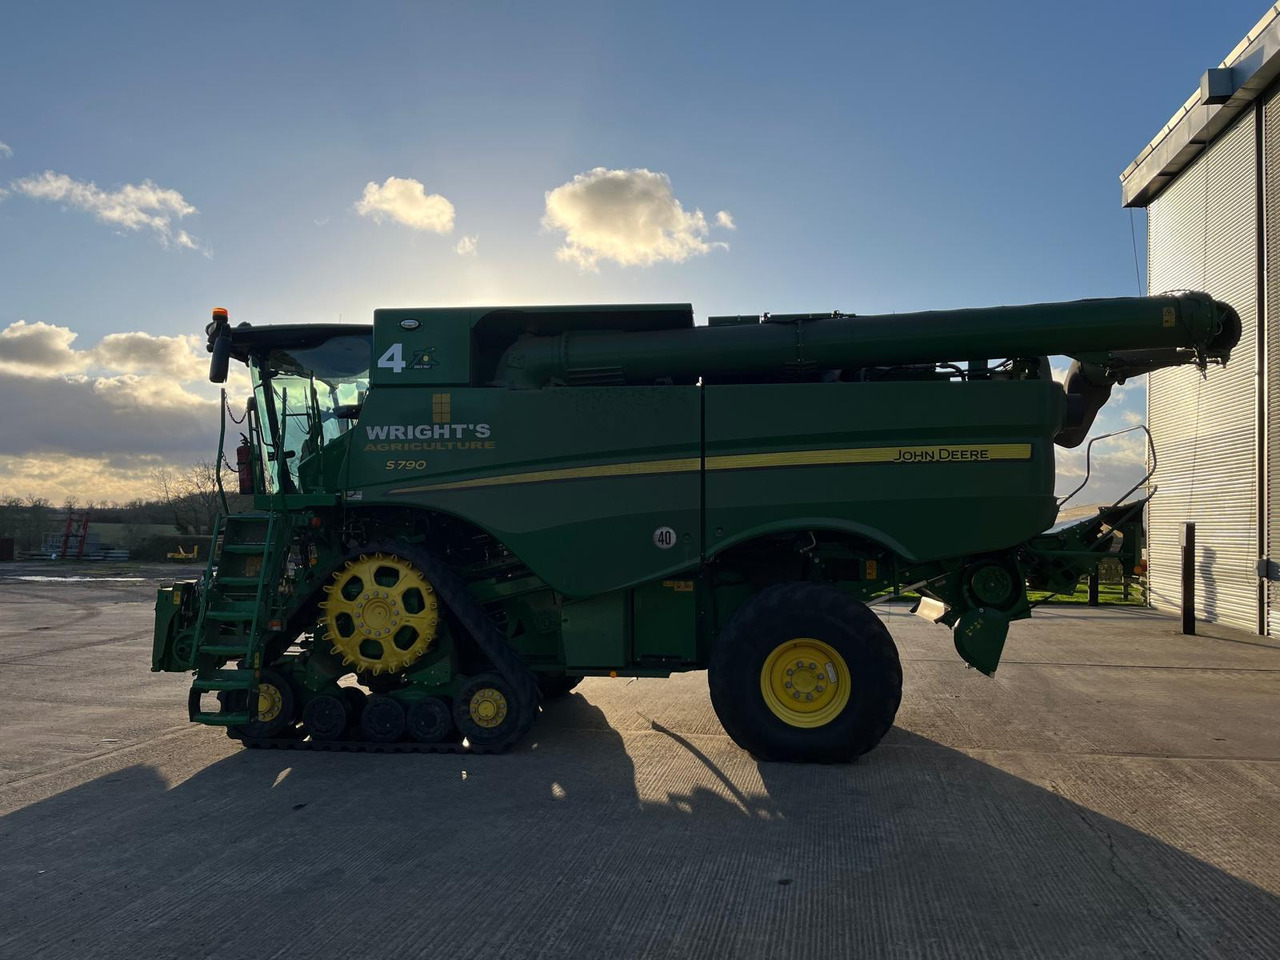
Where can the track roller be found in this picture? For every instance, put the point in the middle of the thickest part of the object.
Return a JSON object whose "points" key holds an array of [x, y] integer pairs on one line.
{"points": [[276, 712], [326, 717], [484, 709], [382, 720], [430, 720]]}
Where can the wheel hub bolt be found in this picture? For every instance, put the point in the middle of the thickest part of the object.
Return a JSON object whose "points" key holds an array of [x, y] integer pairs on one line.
{"points": [[813, 666], [790, 671], [796, 694], [808, 696], [788, 684], [800, 663], [821, 688]]}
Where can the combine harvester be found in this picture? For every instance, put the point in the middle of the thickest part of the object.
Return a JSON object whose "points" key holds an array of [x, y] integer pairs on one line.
{"points": [[468, 510]]}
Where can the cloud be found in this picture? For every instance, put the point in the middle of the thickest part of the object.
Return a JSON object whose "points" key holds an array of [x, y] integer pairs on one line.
{"points": [[94, 423], [628, 216], [466, 246], [406, 201], [143, 206], [58, 477], [101, 416], [45, 350], [725, 219], [180, 357], [6, 151], [38, 349]]}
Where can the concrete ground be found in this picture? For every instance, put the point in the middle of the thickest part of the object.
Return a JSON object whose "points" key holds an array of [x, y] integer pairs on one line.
{"points": [[1113, 792]]}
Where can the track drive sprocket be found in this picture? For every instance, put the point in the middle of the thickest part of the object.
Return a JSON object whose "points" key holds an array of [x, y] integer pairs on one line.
{"points": [[380, 613]]}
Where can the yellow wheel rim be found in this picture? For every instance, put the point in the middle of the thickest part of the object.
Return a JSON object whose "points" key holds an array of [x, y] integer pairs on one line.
{"points": [[381, 614], [488, 707], [805, 682], [270, 702]]}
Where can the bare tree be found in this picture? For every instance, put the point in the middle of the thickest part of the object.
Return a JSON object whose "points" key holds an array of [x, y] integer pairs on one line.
{"points": [[35, 522], [11, 515], [191, 496]]}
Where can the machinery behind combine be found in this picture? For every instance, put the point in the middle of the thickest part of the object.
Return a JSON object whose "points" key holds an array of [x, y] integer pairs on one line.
{"points": [[461, 512]]}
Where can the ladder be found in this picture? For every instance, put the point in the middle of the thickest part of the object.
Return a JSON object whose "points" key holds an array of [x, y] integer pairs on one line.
{"points": [[244, 566], [74, 536]]}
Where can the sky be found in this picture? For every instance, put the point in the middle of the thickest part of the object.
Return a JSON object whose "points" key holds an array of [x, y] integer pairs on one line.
{"points": [[310, 162]]}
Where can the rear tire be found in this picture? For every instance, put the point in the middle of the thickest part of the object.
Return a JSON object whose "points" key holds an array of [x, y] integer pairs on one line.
{"points": [[783, 710]]}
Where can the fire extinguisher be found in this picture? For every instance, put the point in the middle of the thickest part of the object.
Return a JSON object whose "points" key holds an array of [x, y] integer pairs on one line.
{"points": [[244, 465]]}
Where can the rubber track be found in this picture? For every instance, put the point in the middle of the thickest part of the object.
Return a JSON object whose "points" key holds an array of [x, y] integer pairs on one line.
{"points": [[463, 604]]}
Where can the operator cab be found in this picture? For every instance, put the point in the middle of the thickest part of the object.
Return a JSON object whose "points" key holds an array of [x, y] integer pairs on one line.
{"points": [[309, 382], [307, 398]]}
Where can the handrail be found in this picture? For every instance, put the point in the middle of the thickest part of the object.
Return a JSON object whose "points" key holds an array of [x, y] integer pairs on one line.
{"points": [[1088, 463], [253, 658], [222, 436], [205, 585]]}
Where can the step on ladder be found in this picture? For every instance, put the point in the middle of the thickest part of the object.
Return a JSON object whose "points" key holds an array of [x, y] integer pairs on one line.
{"points": [[239, 584]]}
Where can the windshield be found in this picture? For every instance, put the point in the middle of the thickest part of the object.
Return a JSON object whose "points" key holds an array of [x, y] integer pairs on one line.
{"points": [[301, 395]]}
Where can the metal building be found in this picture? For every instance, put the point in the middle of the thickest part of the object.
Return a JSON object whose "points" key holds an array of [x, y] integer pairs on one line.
{"points": [[1210, 181]]}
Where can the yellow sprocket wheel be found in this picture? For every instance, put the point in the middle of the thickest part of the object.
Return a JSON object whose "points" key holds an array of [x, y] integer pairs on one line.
{"points": [[381, 614]]}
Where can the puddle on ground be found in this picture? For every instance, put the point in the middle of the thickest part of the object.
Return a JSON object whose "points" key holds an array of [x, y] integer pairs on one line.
{"points": [[39, 579]]}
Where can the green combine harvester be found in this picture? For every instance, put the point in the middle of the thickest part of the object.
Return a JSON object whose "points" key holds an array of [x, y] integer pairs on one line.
{"points": [[462, 512]]}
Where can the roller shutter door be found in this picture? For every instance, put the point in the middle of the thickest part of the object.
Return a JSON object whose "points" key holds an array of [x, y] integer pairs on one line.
{"points": [[1203, 236]]}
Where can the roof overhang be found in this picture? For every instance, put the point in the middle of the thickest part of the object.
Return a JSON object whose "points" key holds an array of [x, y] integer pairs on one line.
{"points": [[1224, 93]]}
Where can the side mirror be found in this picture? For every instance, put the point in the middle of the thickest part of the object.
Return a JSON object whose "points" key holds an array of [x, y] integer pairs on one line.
{"points": [[220, 361]]}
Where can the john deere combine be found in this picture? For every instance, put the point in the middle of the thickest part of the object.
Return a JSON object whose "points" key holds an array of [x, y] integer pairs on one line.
{"points": [[461, 512]]}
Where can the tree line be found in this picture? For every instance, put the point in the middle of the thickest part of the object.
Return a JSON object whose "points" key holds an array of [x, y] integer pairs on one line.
{"points": [[186, 500]]}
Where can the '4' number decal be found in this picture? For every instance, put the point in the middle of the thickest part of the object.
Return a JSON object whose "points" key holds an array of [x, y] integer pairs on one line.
{"points": [[393, 359]]}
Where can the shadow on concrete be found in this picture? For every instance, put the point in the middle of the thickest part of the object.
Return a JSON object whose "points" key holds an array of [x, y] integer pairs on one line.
{"points": [[553, 850]]}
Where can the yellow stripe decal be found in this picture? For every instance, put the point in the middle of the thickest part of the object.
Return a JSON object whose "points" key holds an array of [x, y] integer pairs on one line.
{"points": [[947, 453], [639, 468]]}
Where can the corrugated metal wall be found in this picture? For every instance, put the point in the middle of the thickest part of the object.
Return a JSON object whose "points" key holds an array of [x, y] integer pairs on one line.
{"points": [[1271, 180], [1203, 235]]}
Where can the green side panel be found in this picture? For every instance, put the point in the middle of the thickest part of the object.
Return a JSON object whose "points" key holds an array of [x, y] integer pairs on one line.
{"points": [[666, 620], [576, 481], [435, 351], [170, 603], [931, 470], [596, 632]]}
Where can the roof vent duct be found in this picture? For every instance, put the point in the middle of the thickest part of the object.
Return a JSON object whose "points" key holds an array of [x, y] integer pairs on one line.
{"points": [[1217, 86]]}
